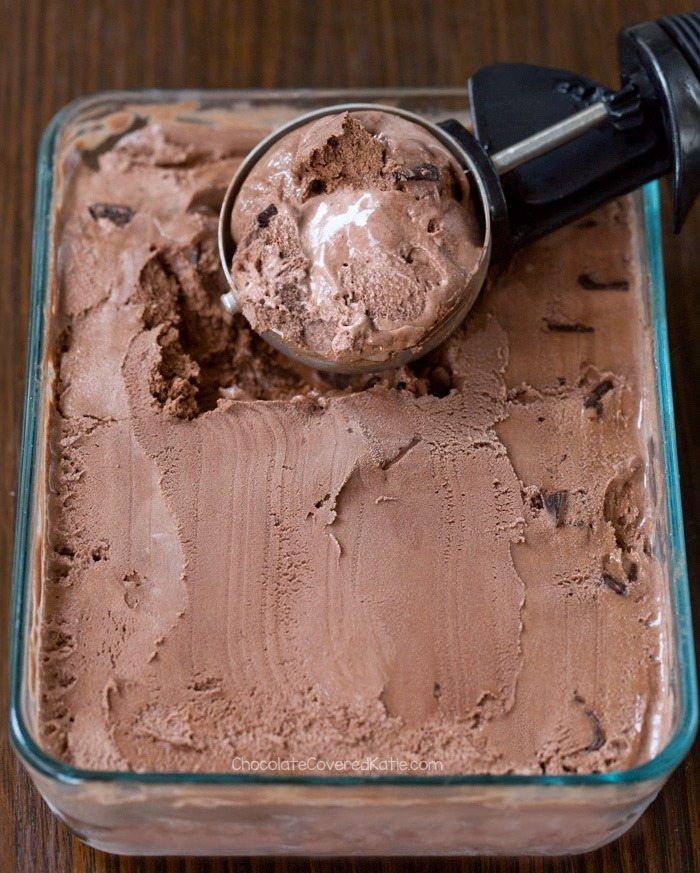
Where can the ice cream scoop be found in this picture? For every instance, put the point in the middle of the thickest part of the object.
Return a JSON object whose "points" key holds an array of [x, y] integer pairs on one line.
{"points": [[324, 285], [356, 233]]}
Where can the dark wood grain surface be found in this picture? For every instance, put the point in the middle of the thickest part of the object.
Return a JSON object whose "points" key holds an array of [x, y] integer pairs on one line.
{"points": [[51, 52]]}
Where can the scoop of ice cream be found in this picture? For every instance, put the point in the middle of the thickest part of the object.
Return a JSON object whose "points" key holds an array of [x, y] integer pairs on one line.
{"points": [[355, 235]]}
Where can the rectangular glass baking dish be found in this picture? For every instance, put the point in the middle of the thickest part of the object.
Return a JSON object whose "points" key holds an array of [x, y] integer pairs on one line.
{"points": [[254, 814]]}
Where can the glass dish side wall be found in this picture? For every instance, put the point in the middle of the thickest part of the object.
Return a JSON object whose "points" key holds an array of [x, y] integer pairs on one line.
{"points": [[224, 814]]}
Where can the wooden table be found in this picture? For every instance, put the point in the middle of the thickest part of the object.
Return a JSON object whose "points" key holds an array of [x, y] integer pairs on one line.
{"points": [[51, 52]]}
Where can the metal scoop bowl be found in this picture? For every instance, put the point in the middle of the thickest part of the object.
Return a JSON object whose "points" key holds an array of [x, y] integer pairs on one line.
{"points": [[462, 303]]}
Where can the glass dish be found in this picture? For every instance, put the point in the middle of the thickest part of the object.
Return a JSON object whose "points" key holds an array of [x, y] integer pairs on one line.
{"points": [[254, 814]]}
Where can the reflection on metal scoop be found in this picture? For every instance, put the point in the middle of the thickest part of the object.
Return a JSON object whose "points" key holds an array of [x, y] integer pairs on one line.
{"points": [[548, 147]]}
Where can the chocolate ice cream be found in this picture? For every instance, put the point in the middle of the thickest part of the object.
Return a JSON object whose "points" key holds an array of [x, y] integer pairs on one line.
{"points": [[247, 560], [355, 236]]}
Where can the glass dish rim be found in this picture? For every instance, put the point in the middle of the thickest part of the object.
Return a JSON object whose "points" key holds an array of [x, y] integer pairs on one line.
{"points": [[657, 768]]}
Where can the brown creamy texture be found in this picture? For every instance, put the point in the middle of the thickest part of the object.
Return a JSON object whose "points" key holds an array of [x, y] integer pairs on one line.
{"points": [[246, 559], [355, 237]]}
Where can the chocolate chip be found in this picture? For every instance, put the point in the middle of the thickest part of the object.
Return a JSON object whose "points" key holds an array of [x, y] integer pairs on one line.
{"points": [[556, 503], [593, 400], [598, 735], [632, 573], [590, 283], [119, 215], [437, 690], [568, 326], [614, 584], [266, 216], [419, 173]]}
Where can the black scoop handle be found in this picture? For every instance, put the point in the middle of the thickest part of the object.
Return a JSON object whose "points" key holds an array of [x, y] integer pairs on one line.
{"points": [[663, 60], [652, 130]]}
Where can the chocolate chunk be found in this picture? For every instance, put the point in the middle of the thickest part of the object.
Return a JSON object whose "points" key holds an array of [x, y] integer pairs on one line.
{"points": [[594, 398], [419, 173], [91, 157], [598, 735], [614, 584], [119, 215], [590, 283], [632, 573], [556, 503], [568, 326], [266, 216]]}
